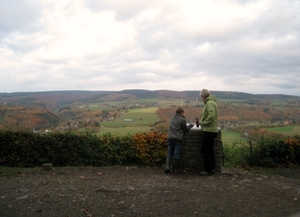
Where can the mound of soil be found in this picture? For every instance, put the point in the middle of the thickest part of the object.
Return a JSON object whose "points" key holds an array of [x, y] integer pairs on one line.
{"points": [[134, 191]]}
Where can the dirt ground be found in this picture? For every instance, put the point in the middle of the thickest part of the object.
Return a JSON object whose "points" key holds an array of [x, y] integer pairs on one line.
{"points": [[138, 191]]}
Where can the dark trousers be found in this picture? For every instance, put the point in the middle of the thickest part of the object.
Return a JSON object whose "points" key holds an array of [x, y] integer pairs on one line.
{"points": [[174, 148], [207, 150]]}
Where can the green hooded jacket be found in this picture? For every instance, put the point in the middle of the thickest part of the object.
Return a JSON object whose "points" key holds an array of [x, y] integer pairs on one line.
{"points": [[209, 119]]}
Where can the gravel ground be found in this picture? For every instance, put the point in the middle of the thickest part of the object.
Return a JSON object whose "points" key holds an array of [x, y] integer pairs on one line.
{"points": [[139, 191]]}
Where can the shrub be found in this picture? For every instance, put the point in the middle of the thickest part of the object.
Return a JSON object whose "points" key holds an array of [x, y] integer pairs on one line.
{"points": [[236, 155], [27, 149], [294, 146], [151, 148], [18, 148], [266, 152], [115, 150], [271, 152]]}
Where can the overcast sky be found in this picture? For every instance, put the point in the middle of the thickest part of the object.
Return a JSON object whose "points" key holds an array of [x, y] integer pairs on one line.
{"points": [[250, 46]]}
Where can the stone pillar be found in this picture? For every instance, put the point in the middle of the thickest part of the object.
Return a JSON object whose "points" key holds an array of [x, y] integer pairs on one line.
{"points": [[191, 157], [47, 166]]}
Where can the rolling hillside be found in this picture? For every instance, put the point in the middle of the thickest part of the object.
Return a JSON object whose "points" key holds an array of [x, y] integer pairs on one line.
{"points": [[55, 99], [44, 109]]}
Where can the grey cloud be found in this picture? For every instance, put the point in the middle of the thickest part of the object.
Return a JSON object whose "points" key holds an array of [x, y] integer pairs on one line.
{"points": [[22, 43], [124, 9], [244, 2], [19, 15], [277, 21], [55, 61], [287, 86]]}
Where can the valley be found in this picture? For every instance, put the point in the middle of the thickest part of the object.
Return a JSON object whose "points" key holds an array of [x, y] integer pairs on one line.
{"points": [[136, 111]]}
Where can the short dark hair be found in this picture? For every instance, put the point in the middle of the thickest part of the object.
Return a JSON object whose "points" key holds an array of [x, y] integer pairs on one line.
{"points": [[179, 110]]}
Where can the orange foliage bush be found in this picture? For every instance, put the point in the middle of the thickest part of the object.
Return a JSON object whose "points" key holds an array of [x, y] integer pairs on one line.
{"points": [[294, 147], [151, 147]]}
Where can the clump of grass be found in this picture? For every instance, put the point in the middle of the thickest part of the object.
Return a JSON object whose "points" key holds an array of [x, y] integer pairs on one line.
{"points": [[236, 155], [18, 171]]}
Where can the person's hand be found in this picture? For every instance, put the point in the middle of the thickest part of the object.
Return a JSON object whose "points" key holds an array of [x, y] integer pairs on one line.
{"points": [[191, 125]]}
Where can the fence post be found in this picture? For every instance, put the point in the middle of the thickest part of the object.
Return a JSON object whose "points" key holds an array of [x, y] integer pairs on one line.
{"points": [[251, 153]]}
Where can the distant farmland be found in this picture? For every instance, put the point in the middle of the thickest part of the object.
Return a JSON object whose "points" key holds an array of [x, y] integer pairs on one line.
{"points": [[286, 130], [142, 121], [131, 122]]}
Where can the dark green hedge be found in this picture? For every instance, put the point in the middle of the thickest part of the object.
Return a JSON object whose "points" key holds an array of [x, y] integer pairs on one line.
{"points": [[27, 149], [265, 153], [272, 152]]}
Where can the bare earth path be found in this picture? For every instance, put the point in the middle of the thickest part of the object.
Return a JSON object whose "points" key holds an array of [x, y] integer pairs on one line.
{"points": [[133, 191]]}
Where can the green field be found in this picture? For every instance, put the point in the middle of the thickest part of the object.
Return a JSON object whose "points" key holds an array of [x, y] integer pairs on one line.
{"points": [[286, 130], [230, 137], [139, 117], [131, 122]]}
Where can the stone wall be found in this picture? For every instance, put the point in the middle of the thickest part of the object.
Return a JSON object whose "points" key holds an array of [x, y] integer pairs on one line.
{"points": [[191, 157]]}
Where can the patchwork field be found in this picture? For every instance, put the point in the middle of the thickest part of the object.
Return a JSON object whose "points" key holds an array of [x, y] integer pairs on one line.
{"points": [[141, 120], [131, 122], [286, 130]]}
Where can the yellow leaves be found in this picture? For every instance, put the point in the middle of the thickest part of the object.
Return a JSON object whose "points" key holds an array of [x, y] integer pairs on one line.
{"points": [[292, 142], [151, 147]]}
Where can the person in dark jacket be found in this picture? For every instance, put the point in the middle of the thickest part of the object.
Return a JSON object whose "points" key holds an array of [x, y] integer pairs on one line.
{"points": [[209, 126], [177, 127]]}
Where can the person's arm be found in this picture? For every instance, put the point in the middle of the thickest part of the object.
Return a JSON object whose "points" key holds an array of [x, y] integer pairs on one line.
{"points": [[186, 127]]}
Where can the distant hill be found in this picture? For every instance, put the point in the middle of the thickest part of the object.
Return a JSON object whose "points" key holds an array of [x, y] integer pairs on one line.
{"points": [[50, 99], [53, 100]]}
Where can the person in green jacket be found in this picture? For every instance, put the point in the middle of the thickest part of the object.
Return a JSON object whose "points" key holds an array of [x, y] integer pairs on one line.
{"points": [[209, 126]]}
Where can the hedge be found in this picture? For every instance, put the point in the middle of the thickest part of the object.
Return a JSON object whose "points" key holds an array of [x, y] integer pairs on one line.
{"points": [[28, 149]]}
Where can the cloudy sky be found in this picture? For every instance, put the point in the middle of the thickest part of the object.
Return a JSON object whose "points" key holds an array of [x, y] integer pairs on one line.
{"points": [[248, 46]]}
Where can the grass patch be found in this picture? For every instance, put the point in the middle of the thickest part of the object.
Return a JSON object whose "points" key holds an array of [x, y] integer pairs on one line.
{"points": [[141, 120], [136, 119], [230, 137], [17, 171], [139, 117], [280, 129], [113, 124], [286, 130]]}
